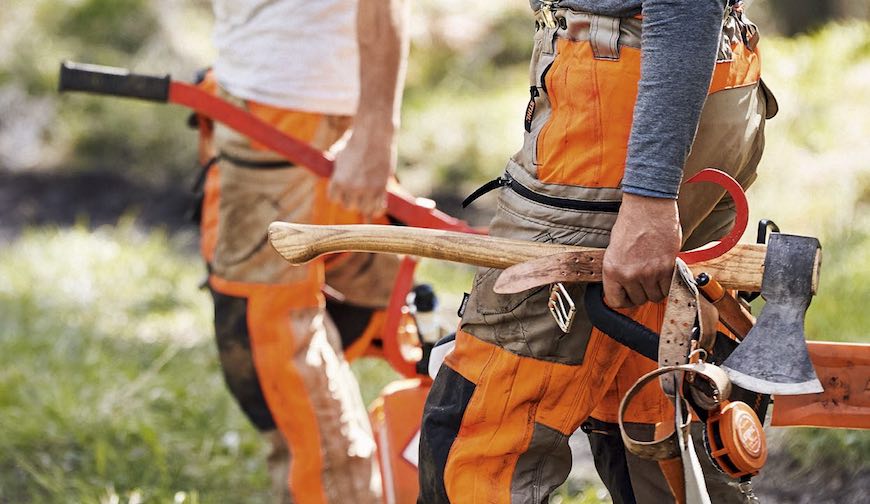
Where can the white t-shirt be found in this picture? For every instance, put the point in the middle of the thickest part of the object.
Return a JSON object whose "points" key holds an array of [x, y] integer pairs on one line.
{"points": [[294, 54]]}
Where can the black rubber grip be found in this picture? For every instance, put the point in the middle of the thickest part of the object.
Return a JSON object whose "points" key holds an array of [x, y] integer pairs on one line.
{"points": [[624, 330], [112, 81]]}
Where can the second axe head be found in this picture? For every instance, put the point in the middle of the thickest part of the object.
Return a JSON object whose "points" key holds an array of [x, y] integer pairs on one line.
{"points": [[773, 358]]}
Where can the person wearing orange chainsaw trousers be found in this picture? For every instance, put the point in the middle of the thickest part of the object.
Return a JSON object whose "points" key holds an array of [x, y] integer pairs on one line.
{"points": [[285, 333], [619, 90]]}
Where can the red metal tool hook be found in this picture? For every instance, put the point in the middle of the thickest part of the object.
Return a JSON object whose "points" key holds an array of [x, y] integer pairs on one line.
{"points": [[742, 206]]}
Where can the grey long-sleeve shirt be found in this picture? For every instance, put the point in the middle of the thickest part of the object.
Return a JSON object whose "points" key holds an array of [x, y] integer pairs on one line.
{"points": [[678, 52]]}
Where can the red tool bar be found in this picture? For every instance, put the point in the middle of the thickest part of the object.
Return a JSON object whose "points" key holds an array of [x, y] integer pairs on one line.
{"points": [[401, 207]]}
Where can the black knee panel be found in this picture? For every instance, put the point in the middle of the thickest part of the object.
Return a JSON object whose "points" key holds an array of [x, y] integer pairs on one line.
{"points": [[237, 362]]}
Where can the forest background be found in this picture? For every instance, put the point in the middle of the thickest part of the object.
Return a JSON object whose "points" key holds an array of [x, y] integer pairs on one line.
{"points": [[109, 385]]}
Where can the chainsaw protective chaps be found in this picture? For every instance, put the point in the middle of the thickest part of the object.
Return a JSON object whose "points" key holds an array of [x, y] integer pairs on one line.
{"points": [[279, 348], [525, 385]]}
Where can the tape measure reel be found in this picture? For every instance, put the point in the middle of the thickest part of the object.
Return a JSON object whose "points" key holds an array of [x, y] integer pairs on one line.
{"points": [[734, 436], [735, 439]]}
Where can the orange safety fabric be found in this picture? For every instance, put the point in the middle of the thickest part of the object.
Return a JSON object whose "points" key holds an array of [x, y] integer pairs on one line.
{"points": [[395, 417], [208, 224], [742, 70], [513, 394], [209, 218], [373, 329], [585, 142], [649, 405], [272, 345], [280, 318]]}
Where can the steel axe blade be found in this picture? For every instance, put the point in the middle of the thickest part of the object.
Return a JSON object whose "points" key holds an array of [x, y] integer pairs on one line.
{"points": [[773, 358]]}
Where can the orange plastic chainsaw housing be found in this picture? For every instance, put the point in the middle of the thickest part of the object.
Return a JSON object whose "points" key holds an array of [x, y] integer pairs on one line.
{"points": [[395, 417]]}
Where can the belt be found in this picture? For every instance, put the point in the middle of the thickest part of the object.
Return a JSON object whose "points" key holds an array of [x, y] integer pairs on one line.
{"points": [[605, 34]]}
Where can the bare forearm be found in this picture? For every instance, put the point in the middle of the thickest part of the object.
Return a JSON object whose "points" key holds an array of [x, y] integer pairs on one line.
{"points": [[363, 168], [382, 29]]}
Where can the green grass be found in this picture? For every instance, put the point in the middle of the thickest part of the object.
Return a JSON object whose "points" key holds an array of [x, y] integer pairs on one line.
{"points": [[109, 382]]}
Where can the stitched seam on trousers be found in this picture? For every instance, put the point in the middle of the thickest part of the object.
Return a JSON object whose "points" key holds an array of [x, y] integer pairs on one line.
{"points": [[596, 102], [562, 160], [576, 399], [501, 417], [614, 43], [539, 470], [483, 377], [522, 328], [549, 73]]}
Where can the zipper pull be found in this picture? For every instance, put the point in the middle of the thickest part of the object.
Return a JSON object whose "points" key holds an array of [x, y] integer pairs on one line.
{"points": [[530, 108], [485, 188]]}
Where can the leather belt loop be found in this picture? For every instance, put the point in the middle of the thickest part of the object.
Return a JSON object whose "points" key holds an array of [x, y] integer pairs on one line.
{"points": [[604, 37], [549, 41]]}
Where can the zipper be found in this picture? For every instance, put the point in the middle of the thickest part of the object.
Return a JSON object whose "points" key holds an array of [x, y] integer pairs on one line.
{"points": [[544, 76], [525, 192]]}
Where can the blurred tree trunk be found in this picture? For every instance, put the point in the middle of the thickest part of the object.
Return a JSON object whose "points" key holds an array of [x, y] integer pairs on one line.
{"points": [[797, 16]]}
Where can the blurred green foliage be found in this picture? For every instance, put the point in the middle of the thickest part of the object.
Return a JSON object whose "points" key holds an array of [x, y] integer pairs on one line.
{"points": [[121, 25], [87, 132]]}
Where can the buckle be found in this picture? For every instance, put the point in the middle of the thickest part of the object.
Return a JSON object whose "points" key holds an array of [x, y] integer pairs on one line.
{"points": [[562, 307], [547, 12]]}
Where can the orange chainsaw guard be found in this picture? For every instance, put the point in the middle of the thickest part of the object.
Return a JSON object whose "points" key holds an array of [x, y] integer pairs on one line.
{"points": [[396, 417]]}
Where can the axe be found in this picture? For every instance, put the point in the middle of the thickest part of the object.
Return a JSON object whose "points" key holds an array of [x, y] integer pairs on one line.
{"points": [[845, 403], [773, 358]]}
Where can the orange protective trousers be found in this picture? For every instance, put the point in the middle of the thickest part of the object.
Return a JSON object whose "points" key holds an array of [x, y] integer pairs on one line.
{"points": [[505, 402], [280, 350]]}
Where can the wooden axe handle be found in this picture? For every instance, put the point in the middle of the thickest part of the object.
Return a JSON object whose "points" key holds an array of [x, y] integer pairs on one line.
{"points": [[740, 268], [735, 317], [300, 243]]}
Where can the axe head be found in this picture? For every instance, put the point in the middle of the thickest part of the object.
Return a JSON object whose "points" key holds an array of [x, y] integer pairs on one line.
{"points": [[773, 358]]}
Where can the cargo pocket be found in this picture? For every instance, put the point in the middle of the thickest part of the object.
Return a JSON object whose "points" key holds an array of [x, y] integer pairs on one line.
{"points": [[521, 323], [250, 200], [244, 218]]}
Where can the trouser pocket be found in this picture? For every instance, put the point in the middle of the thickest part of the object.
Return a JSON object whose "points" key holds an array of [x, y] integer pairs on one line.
{"points": [[522, 323]]}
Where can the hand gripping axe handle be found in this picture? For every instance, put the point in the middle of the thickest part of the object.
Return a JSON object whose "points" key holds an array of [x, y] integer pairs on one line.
{"points": [[113, 81]]}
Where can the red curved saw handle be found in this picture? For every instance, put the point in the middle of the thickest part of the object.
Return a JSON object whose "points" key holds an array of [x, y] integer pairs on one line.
{"points": [[742, 206]]}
